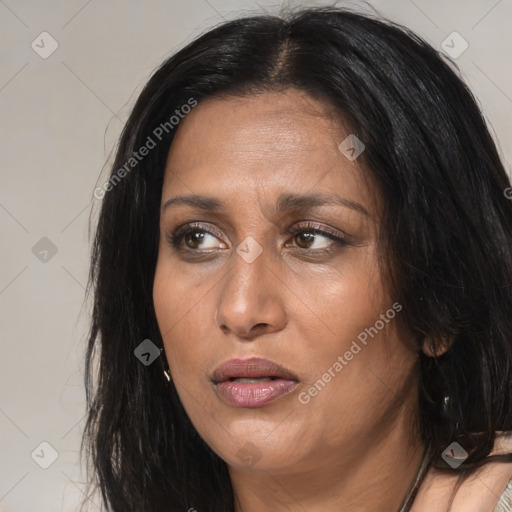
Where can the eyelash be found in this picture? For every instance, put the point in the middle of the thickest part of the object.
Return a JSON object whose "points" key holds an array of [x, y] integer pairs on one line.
{"points": [[174, 238]]}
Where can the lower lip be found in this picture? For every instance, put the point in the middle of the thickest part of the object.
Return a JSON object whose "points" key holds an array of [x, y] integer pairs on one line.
{"points": [[257, 394]]}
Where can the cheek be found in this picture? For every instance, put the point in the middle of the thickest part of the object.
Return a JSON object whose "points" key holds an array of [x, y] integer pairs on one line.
{"points": [[182, 296], [348, 299], [176, 310], [358, 360]]}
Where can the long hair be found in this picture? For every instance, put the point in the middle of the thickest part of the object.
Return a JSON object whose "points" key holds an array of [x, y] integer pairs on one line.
{"points": [[445, 243]]}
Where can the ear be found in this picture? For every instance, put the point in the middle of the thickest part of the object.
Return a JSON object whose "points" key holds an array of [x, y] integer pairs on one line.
{"points": [[429, 347]]}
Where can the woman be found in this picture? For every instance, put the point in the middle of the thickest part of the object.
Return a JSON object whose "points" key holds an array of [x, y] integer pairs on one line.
{"points": [[303, 280]]}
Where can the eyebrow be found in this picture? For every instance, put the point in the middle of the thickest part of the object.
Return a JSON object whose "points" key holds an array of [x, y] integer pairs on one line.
{"points": [[285, 202]]}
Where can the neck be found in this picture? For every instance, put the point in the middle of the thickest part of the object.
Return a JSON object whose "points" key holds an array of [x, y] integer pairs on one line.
{"points": [[373, 477]]}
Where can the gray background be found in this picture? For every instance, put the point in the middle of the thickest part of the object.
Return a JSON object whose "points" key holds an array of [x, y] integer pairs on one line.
{"points": [[61, 116]]}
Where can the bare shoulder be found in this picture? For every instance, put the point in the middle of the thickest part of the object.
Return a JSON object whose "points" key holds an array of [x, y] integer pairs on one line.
{"points": [[479, 492]]}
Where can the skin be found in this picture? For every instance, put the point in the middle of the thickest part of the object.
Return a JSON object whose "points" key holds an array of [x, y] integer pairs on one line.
{"points": [[292, 305]]}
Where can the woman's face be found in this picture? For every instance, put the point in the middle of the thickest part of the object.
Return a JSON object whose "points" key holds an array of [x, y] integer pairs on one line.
{"points": [[241, 285]]}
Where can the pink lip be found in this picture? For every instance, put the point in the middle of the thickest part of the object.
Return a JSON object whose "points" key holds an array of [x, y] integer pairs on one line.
{"points": [[244, 394], [258, 394]]}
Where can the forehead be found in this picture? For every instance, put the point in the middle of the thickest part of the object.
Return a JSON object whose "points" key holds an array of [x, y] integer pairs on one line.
{"points": [[271, 142]]}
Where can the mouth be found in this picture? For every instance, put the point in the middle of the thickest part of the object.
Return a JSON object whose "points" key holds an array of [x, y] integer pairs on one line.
{"points": [[251, 369], [252, 382], [245, 380]]}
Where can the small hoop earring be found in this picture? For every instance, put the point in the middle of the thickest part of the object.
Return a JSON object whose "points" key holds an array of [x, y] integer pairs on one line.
{"points": [[166, 370]]}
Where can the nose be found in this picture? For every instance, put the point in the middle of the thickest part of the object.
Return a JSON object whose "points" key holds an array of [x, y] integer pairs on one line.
{"points": [[251, 298]]}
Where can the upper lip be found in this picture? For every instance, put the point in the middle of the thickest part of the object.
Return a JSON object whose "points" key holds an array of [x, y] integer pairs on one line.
{"points": [[251, 368]]}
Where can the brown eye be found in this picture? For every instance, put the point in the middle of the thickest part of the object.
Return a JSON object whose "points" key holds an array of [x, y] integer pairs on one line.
{"points": [[304, 239], [193, 238]]}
